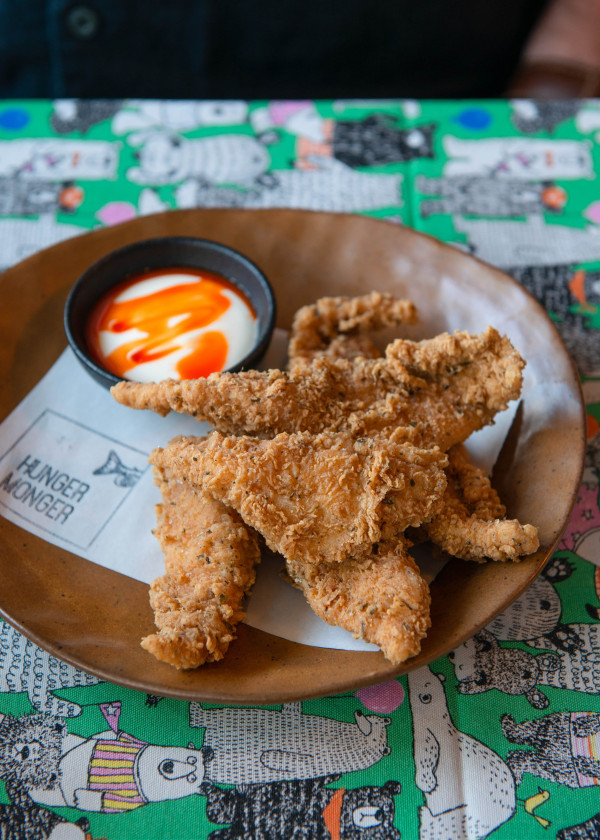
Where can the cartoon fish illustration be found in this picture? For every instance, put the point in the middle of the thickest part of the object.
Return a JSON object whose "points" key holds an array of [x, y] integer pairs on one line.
{"points": [[123, 476]]}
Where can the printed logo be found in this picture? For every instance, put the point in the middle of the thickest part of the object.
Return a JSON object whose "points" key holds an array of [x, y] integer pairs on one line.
{"points": [[122, 476], [51, 478]]}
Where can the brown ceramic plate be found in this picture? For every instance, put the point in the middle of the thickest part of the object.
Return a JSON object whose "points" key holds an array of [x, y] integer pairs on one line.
{"points": [[94, 618]]}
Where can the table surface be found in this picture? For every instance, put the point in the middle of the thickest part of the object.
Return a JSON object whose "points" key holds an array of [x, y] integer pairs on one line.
{"points": [[500, 738]]}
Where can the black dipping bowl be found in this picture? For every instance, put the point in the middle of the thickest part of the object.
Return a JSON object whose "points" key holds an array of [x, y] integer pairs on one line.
{"points": [[154, 254]]}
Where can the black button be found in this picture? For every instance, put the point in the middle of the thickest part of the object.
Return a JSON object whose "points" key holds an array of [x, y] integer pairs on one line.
{"points": [[82, 22]]}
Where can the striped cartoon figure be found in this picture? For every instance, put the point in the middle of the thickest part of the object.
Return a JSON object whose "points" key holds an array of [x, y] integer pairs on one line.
{"points": [[110, 773]]}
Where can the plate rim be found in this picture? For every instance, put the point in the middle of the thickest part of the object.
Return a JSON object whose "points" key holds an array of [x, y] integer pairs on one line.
{"points": [[381, 673]]}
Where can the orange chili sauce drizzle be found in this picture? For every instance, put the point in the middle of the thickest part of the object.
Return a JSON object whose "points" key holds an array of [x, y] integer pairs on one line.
{"points": [[195, 305]]}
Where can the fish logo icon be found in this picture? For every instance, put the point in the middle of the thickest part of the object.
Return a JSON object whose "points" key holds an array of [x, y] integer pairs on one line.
{"points": [[123, 476]]}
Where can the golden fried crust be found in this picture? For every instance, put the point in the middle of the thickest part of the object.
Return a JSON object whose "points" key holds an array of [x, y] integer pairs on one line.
{"points": [[439, 390], [474, 485], [210, 559], [382, 598], [334, 326], [319, 498], [470, 523], [483, 370], [331, 478]]}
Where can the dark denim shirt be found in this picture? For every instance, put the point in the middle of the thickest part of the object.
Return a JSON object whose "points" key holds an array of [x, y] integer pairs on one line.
{"points": [[261, 48]]}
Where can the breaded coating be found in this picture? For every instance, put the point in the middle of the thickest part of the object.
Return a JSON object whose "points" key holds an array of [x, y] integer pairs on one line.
{"points": [[439, 390], [210, 559], [470, 524], [334, 326], [323, 322], [382, 598], [315, 498], [331, 462]]}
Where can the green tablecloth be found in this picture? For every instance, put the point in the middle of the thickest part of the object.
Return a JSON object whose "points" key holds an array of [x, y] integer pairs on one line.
{"points": [[500, 738]]}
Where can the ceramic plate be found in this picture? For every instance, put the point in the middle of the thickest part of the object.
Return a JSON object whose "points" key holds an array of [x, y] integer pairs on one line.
{"points": [[94, 618]]}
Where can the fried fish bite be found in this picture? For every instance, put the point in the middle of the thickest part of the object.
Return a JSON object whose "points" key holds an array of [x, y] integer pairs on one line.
{"points": [[210, 559], [335, 327], [470, 523], [439, 390], [319, 498], [381, 598]]}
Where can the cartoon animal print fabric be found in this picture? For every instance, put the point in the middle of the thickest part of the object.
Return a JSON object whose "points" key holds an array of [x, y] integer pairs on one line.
{"points": [[110, 772], [482, 664], [251, 746], [572, 296], [489, 196], [577, 669], [59, 159], [30, 749], [167, 158], [565, 748], [587, 118], [592, 460], [378, 140], [81, 115], [22, 819], [303, 808], [518, 158], [175, 115], [532, 242], [588, 830], [329, 186], [29, 197], [470, 804], [24, 667], [530, 116], [537, 612], [500, 738]]}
